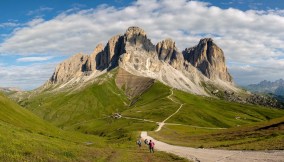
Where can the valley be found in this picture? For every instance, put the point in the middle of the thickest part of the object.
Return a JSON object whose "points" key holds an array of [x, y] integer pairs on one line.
{"points": [[94, 107]]}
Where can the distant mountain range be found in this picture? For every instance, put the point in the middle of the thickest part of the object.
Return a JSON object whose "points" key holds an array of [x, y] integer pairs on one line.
{"points": [[276, 87], [9, 90], [273, 89]]}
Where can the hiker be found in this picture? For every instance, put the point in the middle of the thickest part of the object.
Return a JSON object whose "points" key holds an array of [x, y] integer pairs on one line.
{"points": [[139, 143], [146, 142], [151, 146]]}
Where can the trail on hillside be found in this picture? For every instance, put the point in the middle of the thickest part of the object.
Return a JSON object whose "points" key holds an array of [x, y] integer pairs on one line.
{"points": [[214, 155], [208, 155], [161, 124], [138, 119]]}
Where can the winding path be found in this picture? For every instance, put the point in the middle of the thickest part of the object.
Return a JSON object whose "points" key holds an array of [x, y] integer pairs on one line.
{"points": [[214, 155], [161, 124], [208, 155]]}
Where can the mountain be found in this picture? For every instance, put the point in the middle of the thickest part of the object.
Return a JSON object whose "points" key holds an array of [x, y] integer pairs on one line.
{"points": [[280, 90], [274, 90], [135, 54], [10, 90], [138, 63], [130, 85], [209, 59], [265, 86]]}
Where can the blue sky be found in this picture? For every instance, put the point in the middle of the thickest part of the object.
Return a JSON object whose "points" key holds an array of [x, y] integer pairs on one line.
{"points": [[37, 35]]}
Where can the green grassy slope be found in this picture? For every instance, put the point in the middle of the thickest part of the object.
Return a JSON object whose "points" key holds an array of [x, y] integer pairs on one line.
{"points": [[67, 109], [208, 112], [89, 111], [197, 110], [26, 137], [153, 104], [199, 117], [259, 136]]}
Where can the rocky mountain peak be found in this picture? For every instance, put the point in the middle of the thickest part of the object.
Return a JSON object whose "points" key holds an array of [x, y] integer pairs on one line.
{"points": [[206, 40], [166, 49], [134, 30], [99, 48], [136, 54], [94, 59], [209, 59], [168, 52], [112, 51], [70, 68]]}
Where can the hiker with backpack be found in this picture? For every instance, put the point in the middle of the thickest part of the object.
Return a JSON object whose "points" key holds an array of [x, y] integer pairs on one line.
{"points": [[151, 146]]}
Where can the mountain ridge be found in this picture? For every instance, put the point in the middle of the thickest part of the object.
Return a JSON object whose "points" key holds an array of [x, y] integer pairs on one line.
{"points": [[275, 87], [136, 54]]}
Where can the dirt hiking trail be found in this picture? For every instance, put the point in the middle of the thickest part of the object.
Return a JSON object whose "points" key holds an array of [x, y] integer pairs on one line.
{"points": [[214, 155]]}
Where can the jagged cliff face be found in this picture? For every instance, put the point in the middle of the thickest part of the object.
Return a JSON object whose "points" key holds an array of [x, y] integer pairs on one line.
{"points": [[94, 59], [73, 67], [137, 55], [81, 65], [140, 53], [168, 52], [209, 59]]}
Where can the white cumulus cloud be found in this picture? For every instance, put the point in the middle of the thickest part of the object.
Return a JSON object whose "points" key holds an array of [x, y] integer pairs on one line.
{"points": [[33, 59], [25, 77], [249, 38]]}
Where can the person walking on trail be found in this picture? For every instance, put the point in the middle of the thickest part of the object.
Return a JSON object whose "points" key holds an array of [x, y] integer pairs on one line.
{"points": [[151, 146], [139, 143]]}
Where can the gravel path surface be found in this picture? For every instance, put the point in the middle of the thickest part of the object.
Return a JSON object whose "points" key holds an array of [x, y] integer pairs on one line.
{"points": [[214, 155]]}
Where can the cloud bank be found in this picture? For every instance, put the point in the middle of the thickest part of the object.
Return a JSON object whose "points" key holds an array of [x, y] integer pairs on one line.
{"points": [[33, 59], [253, 41], [25, 77]]}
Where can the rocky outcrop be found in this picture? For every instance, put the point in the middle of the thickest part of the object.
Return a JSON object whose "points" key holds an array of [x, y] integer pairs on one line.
{"points": [[81, 65], [140, 53], [71, 68], [264, 101], [168, 52], [112, 51], [94, 59], [209, 59]]}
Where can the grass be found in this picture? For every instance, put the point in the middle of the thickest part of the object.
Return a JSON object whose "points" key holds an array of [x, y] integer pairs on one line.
{"points": [[153, 104], [209, 112], [259, 136], [197, 110], [18, 144], [89, 111], [65, 109], [26, 137]]}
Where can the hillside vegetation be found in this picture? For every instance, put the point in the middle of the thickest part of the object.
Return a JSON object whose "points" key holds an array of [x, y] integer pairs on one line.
{"points": [[91, 110], [259, 136], [197, 110], [26, 137]]}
